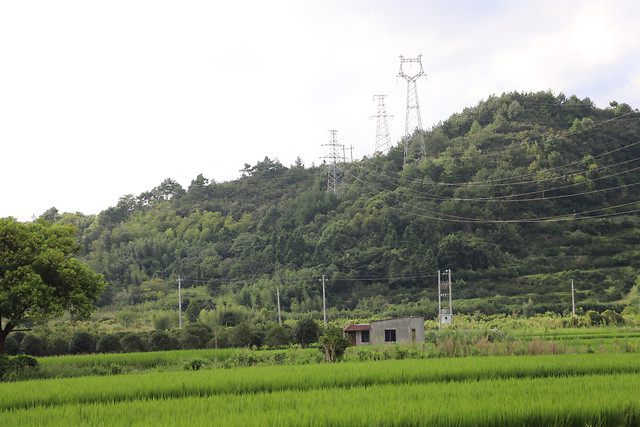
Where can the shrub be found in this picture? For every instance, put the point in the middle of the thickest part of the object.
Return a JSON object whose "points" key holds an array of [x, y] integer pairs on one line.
{"points": [[199, 335], [162, 341], [162, 322], [109, 344], [132, 343], [194, 364], [12, 367], [82, 343], [243, 335], [278, 336], [306, 331], [57, 346], [32, 345], [12, 344]]}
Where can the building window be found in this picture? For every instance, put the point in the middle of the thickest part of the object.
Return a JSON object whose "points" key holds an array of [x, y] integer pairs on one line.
{"points": [[389, 335], [364, 336]]}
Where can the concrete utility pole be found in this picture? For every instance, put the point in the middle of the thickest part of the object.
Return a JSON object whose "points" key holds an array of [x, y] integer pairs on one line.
{"points": [[278, 295], [573, 299], [439, 301], [215, 328], [179, 302], [324, 303], [444, 289]]}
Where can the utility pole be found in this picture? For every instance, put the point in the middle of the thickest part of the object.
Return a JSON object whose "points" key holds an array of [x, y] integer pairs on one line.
{"points": [[445, 315], [383, 140], [324, 303], [278, 295], [179, 302], [215, 327], [439, 301], [413, 120], [573, 299]]}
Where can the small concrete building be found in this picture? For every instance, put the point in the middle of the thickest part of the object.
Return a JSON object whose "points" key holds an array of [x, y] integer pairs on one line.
{"points": [[405, 330]]}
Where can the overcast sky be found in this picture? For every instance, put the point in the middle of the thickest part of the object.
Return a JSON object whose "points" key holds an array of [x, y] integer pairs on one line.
{"points": [[100, 99]]}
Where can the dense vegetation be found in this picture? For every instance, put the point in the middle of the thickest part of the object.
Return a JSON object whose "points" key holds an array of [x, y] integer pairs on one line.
{"points": [[517, 196]]}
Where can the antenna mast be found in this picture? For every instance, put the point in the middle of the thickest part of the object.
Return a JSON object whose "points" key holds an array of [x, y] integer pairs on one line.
{"points": [[383, 141]]}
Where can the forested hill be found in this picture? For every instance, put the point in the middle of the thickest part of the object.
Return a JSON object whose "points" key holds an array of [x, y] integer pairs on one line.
{"points": [[516, 196]]}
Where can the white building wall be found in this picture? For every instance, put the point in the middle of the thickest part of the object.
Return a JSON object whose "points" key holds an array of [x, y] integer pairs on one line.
{"points": [[403, 327]]}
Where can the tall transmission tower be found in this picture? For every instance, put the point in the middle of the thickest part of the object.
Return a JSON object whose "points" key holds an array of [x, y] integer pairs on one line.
{"points": [[383, 141], [334, 169], [413, 120]]}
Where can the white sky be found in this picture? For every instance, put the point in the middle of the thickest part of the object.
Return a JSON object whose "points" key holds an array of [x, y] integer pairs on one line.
{"points": [[100, 99]]}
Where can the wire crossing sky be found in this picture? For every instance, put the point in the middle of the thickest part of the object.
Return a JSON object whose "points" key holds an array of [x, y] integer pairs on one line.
{"points": [[103, 99]]}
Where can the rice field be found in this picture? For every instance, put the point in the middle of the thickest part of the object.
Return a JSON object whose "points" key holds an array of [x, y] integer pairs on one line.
{"points": [[573, 389]]}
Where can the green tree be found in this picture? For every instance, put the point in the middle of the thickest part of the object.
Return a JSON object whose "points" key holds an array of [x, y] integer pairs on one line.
{"points": [[333, 343], [39, 278], [306, 331], [82, 343]]}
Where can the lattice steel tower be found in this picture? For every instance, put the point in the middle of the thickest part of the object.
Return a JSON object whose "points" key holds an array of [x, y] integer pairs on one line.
{"points": [[413, 120], [334, 169], [383, 141]]}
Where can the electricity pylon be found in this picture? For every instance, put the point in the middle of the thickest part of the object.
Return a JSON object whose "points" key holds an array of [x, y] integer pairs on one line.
{"points": [[413, 120], [334, 170], [383, 141]]}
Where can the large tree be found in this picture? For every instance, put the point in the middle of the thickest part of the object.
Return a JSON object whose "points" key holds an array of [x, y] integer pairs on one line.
{"points": [[39, 278]]}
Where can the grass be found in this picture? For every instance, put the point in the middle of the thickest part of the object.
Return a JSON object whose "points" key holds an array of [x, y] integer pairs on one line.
{"points": [[157, 385]]}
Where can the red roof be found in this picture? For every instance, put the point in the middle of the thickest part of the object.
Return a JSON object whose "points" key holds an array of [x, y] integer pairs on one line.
{"points": [[353, 328]]}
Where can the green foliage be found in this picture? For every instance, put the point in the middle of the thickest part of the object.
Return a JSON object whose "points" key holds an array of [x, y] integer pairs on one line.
{"points": [[278, 336], [11, 368], [277, 226], [132, 343], [39, 277], [306, 331], [162, 341], [333, 343], [108, 344], [82, 343], [32, 345]]}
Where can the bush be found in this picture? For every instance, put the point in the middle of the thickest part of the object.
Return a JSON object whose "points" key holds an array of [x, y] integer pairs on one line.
{"points": [[132, 343], [12, 367], [162, 322], [32, 345], [188, 341], [194, 364], [162, 341], [278, 336], [57, 346], [109, 344], [243, 335], [195, 336], [306, 331], [82, 343], [12, 344]]}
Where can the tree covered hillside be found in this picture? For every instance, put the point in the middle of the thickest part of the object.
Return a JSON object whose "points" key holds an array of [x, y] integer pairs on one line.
{"points": [[516, 196]]}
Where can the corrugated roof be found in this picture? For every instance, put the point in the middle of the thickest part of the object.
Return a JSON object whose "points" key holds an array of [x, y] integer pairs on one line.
{"points": [[353, 328]]}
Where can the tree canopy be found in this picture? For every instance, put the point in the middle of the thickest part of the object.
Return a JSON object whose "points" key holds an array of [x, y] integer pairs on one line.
{"points": [[39, 278]]}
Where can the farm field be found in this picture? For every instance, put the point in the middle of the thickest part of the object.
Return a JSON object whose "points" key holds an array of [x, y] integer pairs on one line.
{"points": [[574, 389]]}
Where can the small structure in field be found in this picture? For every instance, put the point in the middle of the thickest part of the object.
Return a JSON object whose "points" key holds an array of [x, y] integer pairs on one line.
{"points": [[405, 330]]}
